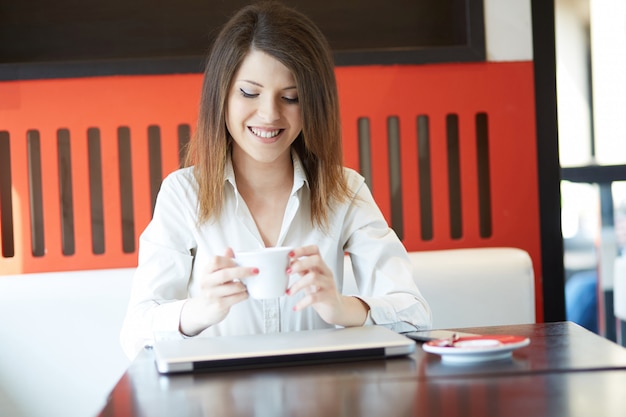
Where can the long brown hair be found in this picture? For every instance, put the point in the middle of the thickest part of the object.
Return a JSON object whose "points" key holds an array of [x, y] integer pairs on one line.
{"points": [[295, 41]]}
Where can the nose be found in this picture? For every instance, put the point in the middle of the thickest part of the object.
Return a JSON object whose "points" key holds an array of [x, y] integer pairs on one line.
{"points": [[269, 109]]}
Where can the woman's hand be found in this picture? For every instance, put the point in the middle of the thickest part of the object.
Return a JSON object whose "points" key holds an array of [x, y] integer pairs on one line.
{"points": [[221, 288], [320, 291]]}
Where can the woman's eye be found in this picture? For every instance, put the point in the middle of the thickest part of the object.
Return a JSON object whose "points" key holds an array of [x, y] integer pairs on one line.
{"points": [[288, 100], [246, 94]]}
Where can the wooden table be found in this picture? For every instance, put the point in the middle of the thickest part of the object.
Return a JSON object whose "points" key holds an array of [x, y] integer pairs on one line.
{"points": [[565, 371]]}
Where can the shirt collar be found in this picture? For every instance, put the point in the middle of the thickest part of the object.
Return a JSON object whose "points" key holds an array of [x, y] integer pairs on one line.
{"points": [[229, 172], [299, 175]]}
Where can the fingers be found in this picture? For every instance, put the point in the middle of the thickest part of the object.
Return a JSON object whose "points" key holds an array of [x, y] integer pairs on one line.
{"points": [[313, 293], [304, 251], [307, 259], [222, 281], [316, 283], [223, 269], [221, 287], [217, 263], [313, 271], [305, 302], [310, 283], [225, 290]]}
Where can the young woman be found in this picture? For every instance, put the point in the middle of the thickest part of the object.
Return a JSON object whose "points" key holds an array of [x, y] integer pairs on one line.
{"points": [[265, 169]]}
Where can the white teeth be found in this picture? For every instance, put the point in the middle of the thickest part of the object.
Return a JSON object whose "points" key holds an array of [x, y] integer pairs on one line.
{"points": [[266, 134]]}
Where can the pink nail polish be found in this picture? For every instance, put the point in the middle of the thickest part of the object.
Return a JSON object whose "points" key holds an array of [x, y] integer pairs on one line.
{"points": [[255, 271], [291, 254], [289, 270]]}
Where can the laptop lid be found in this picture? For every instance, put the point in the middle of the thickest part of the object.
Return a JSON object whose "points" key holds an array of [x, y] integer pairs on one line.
{"points": [[279, 349]]}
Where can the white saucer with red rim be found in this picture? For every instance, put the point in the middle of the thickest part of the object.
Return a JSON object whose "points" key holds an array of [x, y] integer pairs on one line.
{"points": [[474, 349]]}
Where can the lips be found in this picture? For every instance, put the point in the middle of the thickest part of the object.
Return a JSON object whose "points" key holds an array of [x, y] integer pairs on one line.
{"points": [[265, 133]]}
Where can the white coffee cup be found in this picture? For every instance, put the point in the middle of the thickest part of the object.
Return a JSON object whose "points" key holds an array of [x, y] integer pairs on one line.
{"points": [[272, 279]]}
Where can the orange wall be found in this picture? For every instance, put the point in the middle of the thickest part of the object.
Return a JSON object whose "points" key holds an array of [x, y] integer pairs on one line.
{"points": [[503, 91]]}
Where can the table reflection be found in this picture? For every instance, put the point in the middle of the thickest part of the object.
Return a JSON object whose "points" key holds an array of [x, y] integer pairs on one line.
{"points": [[559, 394], [565, 371]]}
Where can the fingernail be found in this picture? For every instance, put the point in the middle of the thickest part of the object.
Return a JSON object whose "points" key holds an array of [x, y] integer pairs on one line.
{"points": [[289, 270], [287, 291], [255, 271], [291, 254]]}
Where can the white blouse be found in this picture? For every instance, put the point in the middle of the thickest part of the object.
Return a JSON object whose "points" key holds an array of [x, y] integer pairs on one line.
{"points": [[173, 252]]}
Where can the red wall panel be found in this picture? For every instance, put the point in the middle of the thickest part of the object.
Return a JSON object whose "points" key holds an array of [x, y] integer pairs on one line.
{"points": [[501, 91]]}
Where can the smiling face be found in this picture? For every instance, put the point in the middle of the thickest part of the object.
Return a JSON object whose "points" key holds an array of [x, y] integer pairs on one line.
{"points": [[262, 112]]}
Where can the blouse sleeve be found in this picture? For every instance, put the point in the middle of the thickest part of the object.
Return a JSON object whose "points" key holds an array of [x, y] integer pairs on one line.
{"points": [[160, 282], [383, 271]]}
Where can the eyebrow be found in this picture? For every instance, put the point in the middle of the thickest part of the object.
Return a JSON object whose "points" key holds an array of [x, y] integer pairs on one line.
{"points": [[291, 87]]}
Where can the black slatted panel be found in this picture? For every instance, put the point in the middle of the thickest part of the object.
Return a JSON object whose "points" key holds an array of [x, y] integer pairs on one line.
{"points": [[6, 199], [66, 193], [424, 172], [484, 180], [95, 190], [395, 175], [126, 190], [454, 176], [365, 149], [154, 158], [38, 246], [184, 134]]}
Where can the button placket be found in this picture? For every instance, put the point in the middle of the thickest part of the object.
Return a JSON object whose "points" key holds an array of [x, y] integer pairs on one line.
{"points": [[271, 315]]}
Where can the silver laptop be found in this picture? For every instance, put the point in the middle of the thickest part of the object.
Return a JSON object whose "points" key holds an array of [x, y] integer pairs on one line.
{"points": [[279, 349]]}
